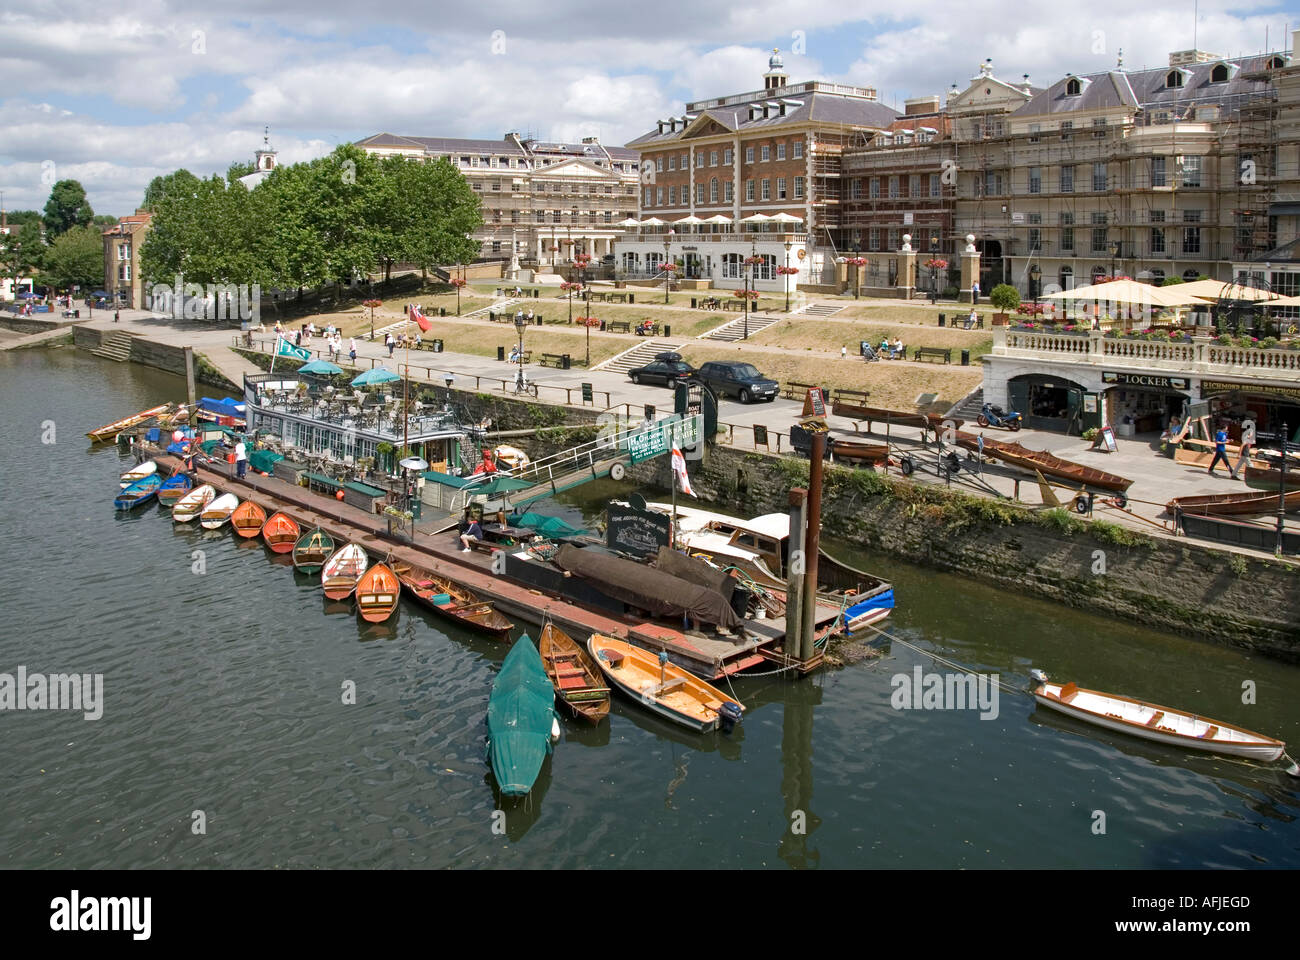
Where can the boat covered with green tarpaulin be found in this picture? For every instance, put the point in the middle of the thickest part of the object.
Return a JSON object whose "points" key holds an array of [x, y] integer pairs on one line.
{"points": [[521, 712]]}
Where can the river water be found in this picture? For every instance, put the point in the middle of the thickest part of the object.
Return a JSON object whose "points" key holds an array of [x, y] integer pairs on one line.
{"points": [[225, 740]]}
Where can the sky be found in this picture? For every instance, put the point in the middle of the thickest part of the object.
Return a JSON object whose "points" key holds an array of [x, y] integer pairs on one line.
{"points": [[113, 95]]}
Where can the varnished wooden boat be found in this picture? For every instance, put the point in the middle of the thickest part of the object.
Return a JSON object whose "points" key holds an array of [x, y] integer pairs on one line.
{"points": [[109, 431], [1270, 478], [280, 532], [857, 450], [1153, 722], [137, 473], [173, 488], [217, 513], [193, 503], [138, 493], [311, 550], [663, 687], [576, 678], [927, 421], [342, 571], [1235, 504], [453, 601], [248, 519], [1045, 463], [378, 591]]}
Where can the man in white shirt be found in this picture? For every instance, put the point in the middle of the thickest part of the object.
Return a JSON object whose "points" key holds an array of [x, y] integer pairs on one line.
{"points": [[241, 459]]}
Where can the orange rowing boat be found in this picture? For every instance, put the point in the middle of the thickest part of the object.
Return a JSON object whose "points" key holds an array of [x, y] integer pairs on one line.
{"points": [[377, 593], [248, 519], [280, 532]]}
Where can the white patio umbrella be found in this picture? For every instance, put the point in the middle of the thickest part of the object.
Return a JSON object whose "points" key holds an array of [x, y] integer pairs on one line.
{"points": [[784, 218], [1285, 302], [756, 218], [1130, 293], [629, 222], [652, 222], [1218, 289]]}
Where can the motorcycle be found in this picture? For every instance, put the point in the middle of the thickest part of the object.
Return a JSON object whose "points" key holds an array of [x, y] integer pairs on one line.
{"points": [[995, 416]]}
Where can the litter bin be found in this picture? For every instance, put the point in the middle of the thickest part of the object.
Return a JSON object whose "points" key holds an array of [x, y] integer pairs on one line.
{"points": [[565, 362], [602, 325], [943, 319], [76, 314], [437, 346], [668, 330], [631, 298], [537, 293], [693, 303], [442, 311], [501, 354], [965, 358]]}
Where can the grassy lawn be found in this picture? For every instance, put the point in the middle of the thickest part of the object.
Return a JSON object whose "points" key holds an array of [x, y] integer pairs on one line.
{"points": [[800, 333], [892, 386], [917, 313]]}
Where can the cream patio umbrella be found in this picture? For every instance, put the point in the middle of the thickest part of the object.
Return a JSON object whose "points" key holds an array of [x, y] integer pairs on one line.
{"points": [[1285, 302], [1130, 293], [1221, 290]]}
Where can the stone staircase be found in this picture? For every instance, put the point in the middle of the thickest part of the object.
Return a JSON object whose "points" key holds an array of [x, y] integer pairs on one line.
{"points": [[114, 345], [968, 408], [638, 356], [736, 329], [819, 310]]}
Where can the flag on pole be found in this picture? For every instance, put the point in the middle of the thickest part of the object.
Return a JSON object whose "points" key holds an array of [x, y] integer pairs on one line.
{"points": [[283, 348], [416, 316], [679, 468]]}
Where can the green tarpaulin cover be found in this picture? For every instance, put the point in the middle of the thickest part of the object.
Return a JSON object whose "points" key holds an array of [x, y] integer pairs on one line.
{"points": [[520, 712], [263, 461], [552, 527]]}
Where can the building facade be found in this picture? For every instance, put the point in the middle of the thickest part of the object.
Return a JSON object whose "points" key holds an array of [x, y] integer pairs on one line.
{"points": [[122, 244], [542, 201], [754, 174]]}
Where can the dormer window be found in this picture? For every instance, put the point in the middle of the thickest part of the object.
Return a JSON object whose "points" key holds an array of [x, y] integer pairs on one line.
{"points": [[1219, 74], [1173, 79], [1276, 63], [1073, 87]]}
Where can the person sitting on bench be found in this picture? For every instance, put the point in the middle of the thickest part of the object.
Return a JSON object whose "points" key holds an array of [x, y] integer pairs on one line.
{"points": [[472, 532], [896, 351], [972, 319]]}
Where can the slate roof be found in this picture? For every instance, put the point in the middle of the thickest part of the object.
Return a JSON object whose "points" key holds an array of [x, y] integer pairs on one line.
{"points": [[814, 107]]}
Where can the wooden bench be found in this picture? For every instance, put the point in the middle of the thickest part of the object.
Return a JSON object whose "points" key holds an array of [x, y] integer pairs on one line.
{"points": [[551, 360], [960, 321], [840, 394], [616, 297], [933, 353], [736, 305], [526, 357], [797, 391], [318, 483], [618, 326], [651, 331], [597, 297]]}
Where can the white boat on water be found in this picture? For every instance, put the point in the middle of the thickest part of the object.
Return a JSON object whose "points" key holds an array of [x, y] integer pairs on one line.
{"points": [[218, 511], [193, 503], [138, 473], [1153, 722]]}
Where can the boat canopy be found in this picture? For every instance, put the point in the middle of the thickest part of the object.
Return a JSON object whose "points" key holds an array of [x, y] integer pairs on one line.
{"points": [[226, 407]]}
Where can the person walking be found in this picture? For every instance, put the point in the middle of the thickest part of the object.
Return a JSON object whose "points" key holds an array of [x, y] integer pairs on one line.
{"points": [[352, 349], [1220, 449], [390, 343], [1247, 441], [844, 353], [241, 459], [117, 315]]}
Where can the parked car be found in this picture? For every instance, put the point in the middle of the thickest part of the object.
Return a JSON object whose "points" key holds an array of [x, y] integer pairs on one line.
{"points": [[665, 369], [741, 380]]}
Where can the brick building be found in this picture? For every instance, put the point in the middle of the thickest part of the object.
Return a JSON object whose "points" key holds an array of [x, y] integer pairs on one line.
{"points": [[122, 244]]}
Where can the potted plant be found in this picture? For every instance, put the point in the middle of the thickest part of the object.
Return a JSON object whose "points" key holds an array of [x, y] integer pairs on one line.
{"points": [[1006, 298]]}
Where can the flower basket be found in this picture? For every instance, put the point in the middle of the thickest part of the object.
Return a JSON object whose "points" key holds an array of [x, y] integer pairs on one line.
{"points": [[936, 264]]}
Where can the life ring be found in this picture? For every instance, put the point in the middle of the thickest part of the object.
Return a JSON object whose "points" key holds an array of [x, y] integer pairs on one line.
{"points": [[617, 472]]}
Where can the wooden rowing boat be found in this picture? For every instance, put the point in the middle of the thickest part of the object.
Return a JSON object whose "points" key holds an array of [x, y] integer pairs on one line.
{"points": [[1234, 504], [1043, 462], [926, 421], [140, 492], [173, 488], [138, 472], [574, 675], [217, 513], [1154, 722], [451, 600], [248, 519], [661, 686], [520, 719], [193, 503], [342, 571], [109, 431], [857, 450], [280, 532], [311, 550], [378, 591], [1270, 478]]}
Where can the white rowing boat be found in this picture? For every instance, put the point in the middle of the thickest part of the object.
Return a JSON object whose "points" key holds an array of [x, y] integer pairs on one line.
{"points": [[218, 511], [1153, 722], [138, 473], [193, 503]]}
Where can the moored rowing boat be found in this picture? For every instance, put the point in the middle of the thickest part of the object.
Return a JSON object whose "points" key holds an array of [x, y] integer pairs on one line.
{"points": [[451, 600], [311, 550], [574, 675], [140, 492], [109, 431], [663, 687], [280, 532], [193, 503], [342, 570], [138, 472], [520, 718], [377, 593], [173, 488], [217, 513], [247, 519]]}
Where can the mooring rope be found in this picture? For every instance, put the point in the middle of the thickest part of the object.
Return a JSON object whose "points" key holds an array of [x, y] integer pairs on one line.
{"points": [[943, 660]]}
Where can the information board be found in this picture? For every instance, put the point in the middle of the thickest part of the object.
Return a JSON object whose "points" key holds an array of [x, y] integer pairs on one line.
{"points": [[814, 405], [586, 393], [638, 532], [760, 435], [656, 439], [1108, 440]]}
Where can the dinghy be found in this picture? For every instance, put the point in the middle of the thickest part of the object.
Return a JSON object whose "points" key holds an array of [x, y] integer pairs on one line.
{"points": [[663, 687], [193, 503], [248, 519], [377, 593], [574, 675], [218, 512], [137, 473], [108, 432], [451, 600], [1151, 721], [173, 488], [311, 550], [280, 532], [342, 570], [521, 715], [140, 492]]}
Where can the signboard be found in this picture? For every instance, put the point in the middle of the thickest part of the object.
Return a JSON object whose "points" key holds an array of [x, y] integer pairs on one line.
{"points": [[802, 253], [692, 397], [586, 393], [908, 219], [656, 439], [1210, 388], [1089, 403], [814, 405], [1156, 381], [760, 435], [1108, 440], [649, 411], [638, 532]]}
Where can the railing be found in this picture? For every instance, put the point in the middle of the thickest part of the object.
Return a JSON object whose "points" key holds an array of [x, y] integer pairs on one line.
{"points": [[725, 236], [1198, 356]]}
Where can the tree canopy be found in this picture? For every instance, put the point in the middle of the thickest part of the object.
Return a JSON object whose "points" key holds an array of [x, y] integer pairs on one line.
{"points": [[66, 208], [76, 257]]}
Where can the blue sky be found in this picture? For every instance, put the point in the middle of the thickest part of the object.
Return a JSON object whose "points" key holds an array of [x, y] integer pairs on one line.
{"points": [[113, 96]]}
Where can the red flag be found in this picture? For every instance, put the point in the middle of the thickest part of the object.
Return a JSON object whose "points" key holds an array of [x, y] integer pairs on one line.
{"points": [[679, 468], [417, 317]]}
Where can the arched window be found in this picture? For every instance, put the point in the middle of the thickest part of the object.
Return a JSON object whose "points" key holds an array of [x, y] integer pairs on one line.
{"points": [[1190, 275], [1276, 63], [713, 190], [1157, 277], [1098, 273], [1174, 78], [1072, 88], [1219, 74], [653, 262], [631, 262]]}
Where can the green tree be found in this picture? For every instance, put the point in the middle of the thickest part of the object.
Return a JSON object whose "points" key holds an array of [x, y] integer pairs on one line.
{"points": [[1170, 281], [104, 220], [1005, 297], [181, 182], [238, 169], [66, 208], [442, 213], [76, 258], [17, 218], [22, 251]]}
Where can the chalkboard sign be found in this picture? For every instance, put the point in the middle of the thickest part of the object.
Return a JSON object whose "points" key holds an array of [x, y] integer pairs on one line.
{"points": [[649, 411], [760, 435], [586, 393], [814, 405], [1108, 440], [638, 532]]}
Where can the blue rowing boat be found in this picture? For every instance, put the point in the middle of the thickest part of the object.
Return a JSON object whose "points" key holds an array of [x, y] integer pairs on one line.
{"points": [[521, 714], [142, 491], [173, 488]]}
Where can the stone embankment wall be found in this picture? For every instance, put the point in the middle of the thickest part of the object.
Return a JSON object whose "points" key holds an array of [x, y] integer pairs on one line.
{"points": [[164, 356]]}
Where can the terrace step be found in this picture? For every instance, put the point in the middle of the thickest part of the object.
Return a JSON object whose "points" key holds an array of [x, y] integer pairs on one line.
{"points": [[115, 345], [819, 310], [969, 407], [637, 356], [738, 329]]}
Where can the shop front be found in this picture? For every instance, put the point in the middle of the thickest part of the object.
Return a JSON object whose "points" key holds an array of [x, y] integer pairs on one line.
{"points": [[1274, 408], [1142, 403], [1051, 402]]}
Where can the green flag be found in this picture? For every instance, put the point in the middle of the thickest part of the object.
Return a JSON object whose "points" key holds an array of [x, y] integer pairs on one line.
{"points": [[285, 349]]}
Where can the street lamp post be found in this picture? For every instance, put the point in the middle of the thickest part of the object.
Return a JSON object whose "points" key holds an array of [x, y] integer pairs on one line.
{"points": [[934, 271], [448, 379], [668, 239], [1035, 278], [1114, 255], [788, 245], [520, 323]]}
